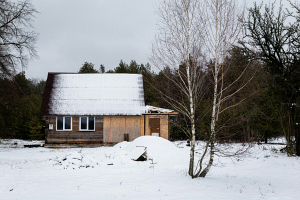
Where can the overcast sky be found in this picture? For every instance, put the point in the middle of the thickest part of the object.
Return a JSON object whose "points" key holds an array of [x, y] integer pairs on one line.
{"points": [[72, 32]]}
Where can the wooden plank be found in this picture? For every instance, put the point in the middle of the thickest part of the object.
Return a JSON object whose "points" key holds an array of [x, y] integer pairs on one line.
{"points": [[78, 132], [67, 134], [75, 135], [76, 138], [80, 139], [70, 135], [64, 141], [73, 139]]}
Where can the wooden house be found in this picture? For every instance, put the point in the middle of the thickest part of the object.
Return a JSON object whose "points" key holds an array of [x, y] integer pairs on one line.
{"points": [[99, 108]]}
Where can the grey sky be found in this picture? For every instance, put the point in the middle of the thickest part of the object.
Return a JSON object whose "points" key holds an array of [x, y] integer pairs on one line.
{"points": [[101, 32], [96, 31]]}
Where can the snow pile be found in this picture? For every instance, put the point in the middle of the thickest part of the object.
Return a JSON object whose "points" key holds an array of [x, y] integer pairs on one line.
{"points": [[74, 160], [157, 148], [121, 145], [16, 143], [153, 109]]}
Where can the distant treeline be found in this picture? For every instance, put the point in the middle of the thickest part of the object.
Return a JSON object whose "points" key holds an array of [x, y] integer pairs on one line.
{"points": [[266, 62], [20, 104], [257, 118]]}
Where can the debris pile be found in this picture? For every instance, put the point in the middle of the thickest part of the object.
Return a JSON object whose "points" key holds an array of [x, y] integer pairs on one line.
{"points": [[74, 160]]}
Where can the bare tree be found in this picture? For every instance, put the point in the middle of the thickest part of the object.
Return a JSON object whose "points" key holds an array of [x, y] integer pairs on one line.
{"points": [[179, 44], [16, 39], [187, 29], [274, 37], [222, 25]]}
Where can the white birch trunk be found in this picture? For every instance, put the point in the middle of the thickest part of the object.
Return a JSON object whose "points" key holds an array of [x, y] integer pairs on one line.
{"points": [[186, 27], [214, 114], [193, 138]]}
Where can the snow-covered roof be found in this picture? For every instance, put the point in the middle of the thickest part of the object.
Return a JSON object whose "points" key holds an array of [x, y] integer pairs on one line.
{"points": [[152, 109], [93, 94]]}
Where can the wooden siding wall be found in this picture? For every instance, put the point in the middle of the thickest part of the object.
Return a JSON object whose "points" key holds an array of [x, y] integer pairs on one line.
{"points": [[164, 125], [114, 128], [107, 129], [74, 136]]}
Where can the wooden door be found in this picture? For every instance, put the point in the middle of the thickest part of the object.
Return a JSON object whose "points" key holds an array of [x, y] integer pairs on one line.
{"points": [[155, 126]]}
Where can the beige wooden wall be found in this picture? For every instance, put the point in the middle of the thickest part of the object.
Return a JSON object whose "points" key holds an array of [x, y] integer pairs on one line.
{"points": [[164, 125], [114, 128], [110, 131]]}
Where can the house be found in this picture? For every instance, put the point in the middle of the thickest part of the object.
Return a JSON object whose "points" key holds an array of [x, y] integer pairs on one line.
{"points": [[99, 108]]}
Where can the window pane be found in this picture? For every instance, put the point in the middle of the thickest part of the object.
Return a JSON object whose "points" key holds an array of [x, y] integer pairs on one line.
{"points": [[91, 123], [59, 123], [83, 124], [67, 122]]}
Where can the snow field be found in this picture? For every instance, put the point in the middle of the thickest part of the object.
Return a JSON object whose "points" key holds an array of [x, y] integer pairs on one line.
{"points": [[110, 173]]}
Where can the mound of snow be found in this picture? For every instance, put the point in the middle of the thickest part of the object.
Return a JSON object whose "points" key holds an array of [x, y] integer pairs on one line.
{"points": [[121, 145], [157, 148], [74, 160]]}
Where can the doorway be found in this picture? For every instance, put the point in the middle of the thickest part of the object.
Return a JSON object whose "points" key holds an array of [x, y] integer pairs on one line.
{"points": [[155, 126]]}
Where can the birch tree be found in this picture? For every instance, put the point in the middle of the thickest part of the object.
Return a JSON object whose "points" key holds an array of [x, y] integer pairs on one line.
{"points": [[188, 29], [178, 43], [222, 25]]}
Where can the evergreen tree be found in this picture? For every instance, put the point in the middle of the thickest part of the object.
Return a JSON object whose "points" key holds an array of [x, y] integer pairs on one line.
{"points": [[102, 69], [87, 68], [20, 103]]}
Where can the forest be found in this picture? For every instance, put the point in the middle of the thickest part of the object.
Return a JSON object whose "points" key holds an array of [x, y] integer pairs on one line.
{"points": [[262, 70]]}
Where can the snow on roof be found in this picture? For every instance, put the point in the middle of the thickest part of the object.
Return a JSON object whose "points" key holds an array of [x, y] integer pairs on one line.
{"points": [[96, 94], [152, 109]]}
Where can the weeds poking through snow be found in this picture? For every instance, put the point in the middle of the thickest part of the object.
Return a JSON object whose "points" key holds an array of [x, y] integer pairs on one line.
{"points": [[74, 161], [152, 163]]}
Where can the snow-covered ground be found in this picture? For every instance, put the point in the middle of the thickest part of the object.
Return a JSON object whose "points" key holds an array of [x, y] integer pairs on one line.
{"points": [[110, 173]]}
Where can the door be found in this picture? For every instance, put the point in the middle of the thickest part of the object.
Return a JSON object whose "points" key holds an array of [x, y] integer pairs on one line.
{"points": [[155, 126]]}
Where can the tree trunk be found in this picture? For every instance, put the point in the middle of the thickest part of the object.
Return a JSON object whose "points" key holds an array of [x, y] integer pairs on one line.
{"points": [[192, 118], [266, 140], [297, 144], [210, 163], [214, 118], [192, 153], [297, 139]]}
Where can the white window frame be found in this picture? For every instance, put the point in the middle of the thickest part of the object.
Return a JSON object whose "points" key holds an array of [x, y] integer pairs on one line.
{"points": [[87, 125], [64, 124]]}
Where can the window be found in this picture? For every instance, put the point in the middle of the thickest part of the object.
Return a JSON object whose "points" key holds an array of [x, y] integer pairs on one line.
{"points": [[64, 123], [87, 123]]}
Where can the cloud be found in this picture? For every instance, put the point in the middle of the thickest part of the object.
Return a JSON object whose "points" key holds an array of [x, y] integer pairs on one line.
{"points": [[101, 32]]}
